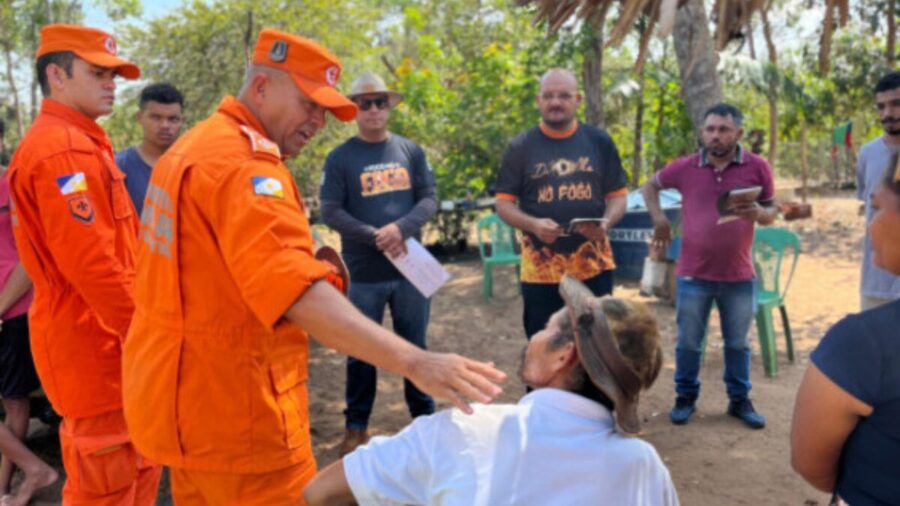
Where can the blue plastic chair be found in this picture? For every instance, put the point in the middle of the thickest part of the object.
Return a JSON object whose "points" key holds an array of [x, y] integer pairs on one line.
{"points": [[497, 246]]}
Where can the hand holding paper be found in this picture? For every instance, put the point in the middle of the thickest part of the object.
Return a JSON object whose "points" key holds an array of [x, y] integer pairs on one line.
{"points": [[420, 268], [389, 239]]}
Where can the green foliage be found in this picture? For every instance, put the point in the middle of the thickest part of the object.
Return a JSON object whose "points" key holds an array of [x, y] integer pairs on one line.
{"points": [[469, 71], [120, 9], [666, 129], [858, 63], [469, 86], [20, 24], [202, 49]]}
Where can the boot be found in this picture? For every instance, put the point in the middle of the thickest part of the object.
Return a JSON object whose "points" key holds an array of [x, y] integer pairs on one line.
{"points": [[352, 439]]}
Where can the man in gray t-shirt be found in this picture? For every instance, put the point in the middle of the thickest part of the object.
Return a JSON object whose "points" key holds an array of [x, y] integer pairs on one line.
{"points": [[878, 286]]}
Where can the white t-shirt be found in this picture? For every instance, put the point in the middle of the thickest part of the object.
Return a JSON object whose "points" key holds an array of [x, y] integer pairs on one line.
{"points": [[552, 448]]}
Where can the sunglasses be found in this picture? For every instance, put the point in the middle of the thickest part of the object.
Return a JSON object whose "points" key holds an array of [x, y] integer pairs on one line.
{"points": [[366, 103]]}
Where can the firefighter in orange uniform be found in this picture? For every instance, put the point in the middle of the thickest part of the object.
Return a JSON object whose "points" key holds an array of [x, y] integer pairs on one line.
{"points": [[76, 232], [215, 364]]}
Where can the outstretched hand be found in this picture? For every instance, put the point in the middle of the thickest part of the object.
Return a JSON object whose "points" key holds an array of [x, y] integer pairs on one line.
{"points": [[457, 379]]}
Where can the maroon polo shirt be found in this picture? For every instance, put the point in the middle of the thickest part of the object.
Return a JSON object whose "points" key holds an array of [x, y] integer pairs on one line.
{"points": [[711, 251]]}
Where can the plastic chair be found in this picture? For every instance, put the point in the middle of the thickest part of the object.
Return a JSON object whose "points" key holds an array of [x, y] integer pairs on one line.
{"points": [[496, 245], [770, 247]]}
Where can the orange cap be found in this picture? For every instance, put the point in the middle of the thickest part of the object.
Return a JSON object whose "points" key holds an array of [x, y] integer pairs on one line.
{"points": [[314, 69], [90, 44]]}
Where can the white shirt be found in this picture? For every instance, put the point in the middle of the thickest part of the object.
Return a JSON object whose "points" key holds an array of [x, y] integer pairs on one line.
{"points": [[552, 448]]}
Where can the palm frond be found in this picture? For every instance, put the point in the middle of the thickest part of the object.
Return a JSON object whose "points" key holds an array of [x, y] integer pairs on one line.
{"points": [[732, 18]]}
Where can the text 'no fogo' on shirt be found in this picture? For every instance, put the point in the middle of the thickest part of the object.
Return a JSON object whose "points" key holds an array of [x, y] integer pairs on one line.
{"points": [[562, 179]]}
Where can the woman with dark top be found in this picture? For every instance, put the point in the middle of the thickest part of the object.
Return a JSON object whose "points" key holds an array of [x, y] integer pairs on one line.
{"points": [[845, 436]]}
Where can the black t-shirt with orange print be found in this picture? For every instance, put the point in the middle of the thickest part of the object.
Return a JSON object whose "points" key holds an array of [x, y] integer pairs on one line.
{"points": [[562, 177], [377, 183]]}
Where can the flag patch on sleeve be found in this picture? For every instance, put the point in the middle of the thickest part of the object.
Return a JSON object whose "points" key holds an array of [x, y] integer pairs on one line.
{"points": [[268, 186], [72, 183]]}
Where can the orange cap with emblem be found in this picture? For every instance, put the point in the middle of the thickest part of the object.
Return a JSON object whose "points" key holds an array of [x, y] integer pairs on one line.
{"points": [[90, 44], [313, 68]]}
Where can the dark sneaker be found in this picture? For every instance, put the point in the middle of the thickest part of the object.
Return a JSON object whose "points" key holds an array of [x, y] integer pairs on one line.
{"points": [[684, 408], [743, 409]]}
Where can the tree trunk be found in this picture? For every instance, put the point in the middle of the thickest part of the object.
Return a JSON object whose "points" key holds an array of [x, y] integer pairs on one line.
{"points": [[892, 32], [34, 80], [660, 121], [248, 38], [772, 93], [804, 167], [751, 44], [697, 60], [20, 125], [636, 165], [593, 79], [825, 39]]}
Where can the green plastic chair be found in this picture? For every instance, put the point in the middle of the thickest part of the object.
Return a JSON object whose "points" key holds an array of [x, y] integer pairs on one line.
{"points": [[497, 246], [770, 245]]}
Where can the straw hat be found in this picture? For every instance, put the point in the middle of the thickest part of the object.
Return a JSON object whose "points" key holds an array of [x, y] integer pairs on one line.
{"points": [[618, 346], [369, 83]]}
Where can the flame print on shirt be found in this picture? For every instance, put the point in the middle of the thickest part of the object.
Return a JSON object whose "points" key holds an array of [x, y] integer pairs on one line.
{"points": [[540, 264], [384, 178]]}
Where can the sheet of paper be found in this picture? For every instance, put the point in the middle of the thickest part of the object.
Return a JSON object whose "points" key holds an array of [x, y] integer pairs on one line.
{"points": [[420, 268]]}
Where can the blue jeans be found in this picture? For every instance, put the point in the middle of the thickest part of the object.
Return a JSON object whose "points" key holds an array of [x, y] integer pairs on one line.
{"points": [[409, 311], [737, 304]]}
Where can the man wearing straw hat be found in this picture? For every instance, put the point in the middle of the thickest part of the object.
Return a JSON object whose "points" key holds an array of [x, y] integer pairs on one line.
{"points": [[228, 292], [566, 442], [377, 191], [76, 232]]}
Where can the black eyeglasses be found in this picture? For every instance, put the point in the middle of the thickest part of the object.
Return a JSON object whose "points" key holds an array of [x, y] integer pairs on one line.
{"points": [[366, 103], [563, 96]]}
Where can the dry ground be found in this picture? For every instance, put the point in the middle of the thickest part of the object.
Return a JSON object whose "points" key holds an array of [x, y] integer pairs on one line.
{"points": [[714, 460]]}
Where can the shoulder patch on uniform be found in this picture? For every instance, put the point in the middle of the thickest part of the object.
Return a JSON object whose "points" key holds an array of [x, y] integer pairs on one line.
{"points": [[260, 144], [72, 183], [81, 209], [268, 186]]}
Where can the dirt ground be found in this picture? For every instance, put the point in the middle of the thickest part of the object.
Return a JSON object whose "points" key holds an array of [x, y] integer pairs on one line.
{"points": [[714, 460]]}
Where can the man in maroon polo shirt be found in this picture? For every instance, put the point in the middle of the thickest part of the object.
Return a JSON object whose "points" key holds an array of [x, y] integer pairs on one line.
{"points": [[715, 263]]}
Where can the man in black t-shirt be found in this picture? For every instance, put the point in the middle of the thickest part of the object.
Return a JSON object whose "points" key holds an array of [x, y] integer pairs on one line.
{"points": [[556, 172], [377, 191]]}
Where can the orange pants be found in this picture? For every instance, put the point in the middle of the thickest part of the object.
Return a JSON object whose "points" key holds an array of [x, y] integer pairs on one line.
{"points": [[103, 467], [283, 487]]}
